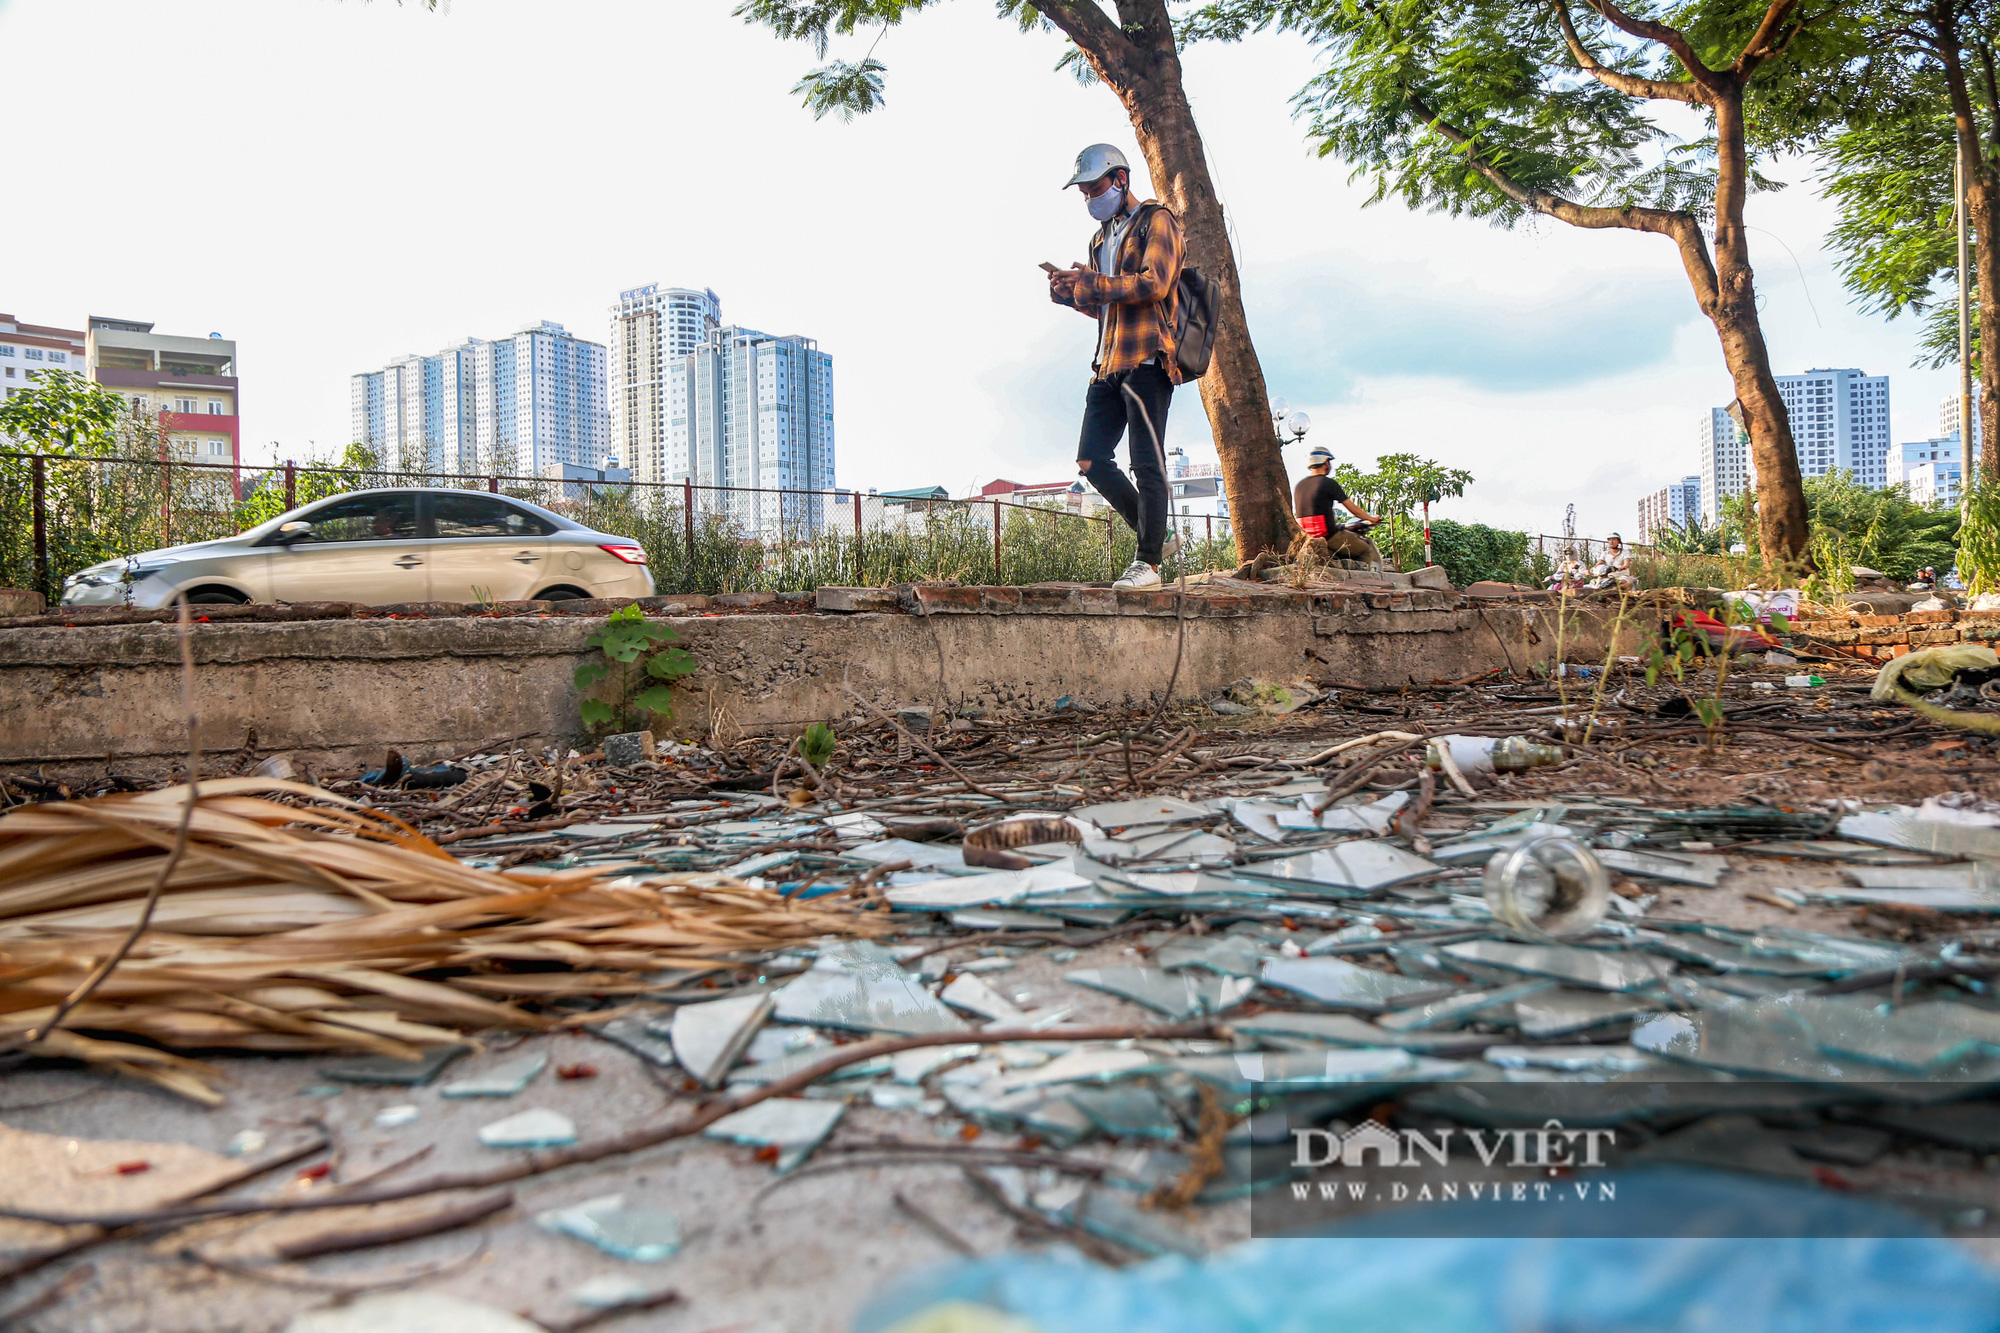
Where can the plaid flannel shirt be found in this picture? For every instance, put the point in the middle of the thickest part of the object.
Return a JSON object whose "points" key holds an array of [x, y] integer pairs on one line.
{"points": [[1141, 298]]}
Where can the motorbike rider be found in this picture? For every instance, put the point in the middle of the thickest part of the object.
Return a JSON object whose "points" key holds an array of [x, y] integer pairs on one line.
{"points": [[1313, 500]]}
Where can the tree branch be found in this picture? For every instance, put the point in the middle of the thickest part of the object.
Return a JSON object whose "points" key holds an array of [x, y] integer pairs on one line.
{"points": [[1765, 42], [1680, 227], [1671, 38], [1091, 29], [1616, 80]]}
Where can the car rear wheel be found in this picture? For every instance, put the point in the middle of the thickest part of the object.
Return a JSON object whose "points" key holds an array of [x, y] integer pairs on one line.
{"points": [[562, 593], [216, 597]]}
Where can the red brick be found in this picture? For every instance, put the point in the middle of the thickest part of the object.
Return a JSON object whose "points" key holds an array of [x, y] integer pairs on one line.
{"points": [[936, 599], [1890, 633], [1098, 601], [998, 599], [1924, 637], [1051, 601], [1226, 604], [1876, 622], [1929, 617]]}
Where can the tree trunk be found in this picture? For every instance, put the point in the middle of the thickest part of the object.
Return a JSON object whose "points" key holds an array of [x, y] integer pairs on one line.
{"points": [[1982, 211], [1146, 75], [1782, 531]]}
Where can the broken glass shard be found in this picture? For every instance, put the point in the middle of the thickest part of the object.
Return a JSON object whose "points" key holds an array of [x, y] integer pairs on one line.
{"points": [[1124, 814], [1952, 875], [794, 1126], [925, 855], [1231, 955], [974, 996], [1569, 1059], [410, 1312], [1186, 845], [1339, 984], [1562, 1012], [1002, 918], [1105, 1213], [383, 1069], [710, 1037], [856, 825], [1294, 1031], [997, 888], [536, 1128], [1362, 865], [853, 985], [770, 1071], [1261, 817], [1453, 1011], [1598, 969], [1366, 817], [645, 1234], [1694, 868], [774, 1043], [502, 1080], [1262, 1071], [1084, 1064], [1749, 1037], [1900, 828], [608, 1291], [1127, 1112], [1175, 994], [916, 1065], [1956, 899], [644, 1035]]}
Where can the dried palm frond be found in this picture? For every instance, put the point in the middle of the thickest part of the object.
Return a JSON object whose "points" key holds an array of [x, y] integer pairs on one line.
{"points": [[326, 926]]}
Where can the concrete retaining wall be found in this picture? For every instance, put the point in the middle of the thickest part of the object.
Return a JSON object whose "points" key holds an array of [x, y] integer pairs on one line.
{"points": [[337, 692]]}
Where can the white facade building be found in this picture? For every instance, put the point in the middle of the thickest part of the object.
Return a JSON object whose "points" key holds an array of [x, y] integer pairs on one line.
{"points": [[1725, 461], [652, 330], [1948, 419], [1669, 507], [751, 411], [1939, 483], [1840, 421], [517, 405], [1917, 453]]}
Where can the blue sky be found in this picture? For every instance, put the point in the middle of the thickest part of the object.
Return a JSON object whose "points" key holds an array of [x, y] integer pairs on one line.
{"points": [[334, 183]]}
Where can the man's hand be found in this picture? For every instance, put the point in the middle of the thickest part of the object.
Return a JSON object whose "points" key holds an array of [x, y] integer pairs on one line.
{"points": [[1062, 284]]}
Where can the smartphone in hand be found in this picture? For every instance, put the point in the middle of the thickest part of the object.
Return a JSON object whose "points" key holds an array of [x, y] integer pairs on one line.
{"points": [[1047, 267]]}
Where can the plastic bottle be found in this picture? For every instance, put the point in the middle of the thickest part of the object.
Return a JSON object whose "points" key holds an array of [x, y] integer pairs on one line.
{"points": [[1487, 754], [1802, 682]]}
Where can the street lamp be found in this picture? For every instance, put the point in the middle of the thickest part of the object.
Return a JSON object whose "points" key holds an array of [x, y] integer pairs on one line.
{"points": [[1283, 419]]}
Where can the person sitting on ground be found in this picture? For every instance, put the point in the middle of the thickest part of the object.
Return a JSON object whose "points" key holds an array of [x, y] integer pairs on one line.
{"points": [[1569, 572], [1313, 500]]}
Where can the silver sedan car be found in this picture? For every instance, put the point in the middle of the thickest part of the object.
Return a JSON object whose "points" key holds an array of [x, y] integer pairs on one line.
{"points": [[378, 548]]}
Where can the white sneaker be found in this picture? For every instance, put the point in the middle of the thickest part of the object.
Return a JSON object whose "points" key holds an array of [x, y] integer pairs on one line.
{"points": [[1170, 548], [1138, 574]]}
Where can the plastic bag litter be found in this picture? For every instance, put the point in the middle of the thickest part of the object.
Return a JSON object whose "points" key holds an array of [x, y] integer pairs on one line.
{"points": [[1929, 669], [1751, 1277]]}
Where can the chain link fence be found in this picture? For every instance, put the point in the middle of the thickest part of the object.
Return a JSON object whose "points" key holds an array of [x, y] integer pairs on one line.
{"points": [[60, 514]]}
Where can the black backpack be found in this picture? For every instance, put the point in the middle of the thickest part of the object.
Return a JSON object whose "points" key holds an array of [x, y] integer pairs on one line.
{"points": [[1194, 313]]}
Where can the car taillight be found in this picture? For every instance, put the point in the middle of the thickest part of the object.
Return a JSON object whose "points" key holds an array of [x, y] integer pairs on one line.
{"points": [[631, 555]]}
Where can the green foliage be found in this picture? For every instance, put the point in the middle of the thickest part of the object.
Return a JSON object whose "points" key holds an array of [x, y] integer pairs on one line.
{"points": [[315, 479], [817, 743], [61, 412], [1693, 537], [1502, 74], [850, 90], [1850, 524], [1979, 540], [633, 654], [1393, 492], [1470, 552]]}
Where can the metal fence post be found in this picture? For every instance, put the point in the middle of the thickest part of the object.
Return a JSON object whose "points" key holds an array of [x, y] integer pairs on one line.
{"points": [[291, 485], [40, 472], [687, 515], [857, 537], [996, 543], [1110, 547], [493, 485]]}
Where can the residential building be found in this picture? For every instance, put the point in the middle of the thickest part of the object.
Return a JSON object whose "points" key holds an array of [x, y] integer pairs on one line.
{"points": [[652, 330], [516, 405], [1725, 461], [753, 412], [190, 383], [1840, 421], [1948, 418], [27, 349], [1668, 508], [1937, 483], [577, 482], [1917, 453], [1195, 490]]}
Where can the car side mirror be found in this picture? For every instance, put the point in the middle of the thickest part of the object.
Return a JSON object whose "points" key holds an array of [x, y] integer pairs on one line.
{"points": [[296, 530]]}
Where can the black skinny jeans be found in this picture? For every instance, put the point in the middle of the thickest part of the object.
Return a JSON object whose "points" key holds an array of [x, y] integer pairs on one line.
{"points": [[1109, 412]]}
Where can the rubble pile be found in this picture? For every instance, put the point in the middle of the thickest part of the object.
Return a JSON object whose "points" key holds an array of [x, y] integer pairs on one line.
{"points": [[1111, 965]]}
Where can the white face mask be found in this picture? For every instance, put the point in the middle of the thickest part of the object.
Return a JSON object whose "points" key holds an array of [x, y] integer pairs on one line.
{"points": [[1105, 206]]}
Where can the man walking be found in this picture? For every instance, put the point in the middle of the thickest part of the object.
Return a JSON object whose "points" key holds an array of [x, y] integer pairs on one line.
{"points": [[1130, 287]]}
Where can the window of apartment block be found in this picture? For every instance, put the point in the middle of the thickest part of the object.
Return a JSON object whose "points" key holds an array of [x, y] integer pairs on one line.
{"points": [[183, 404], [10, 372], [6, 351], [58, 356], [32, 353], [219, 448]]}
